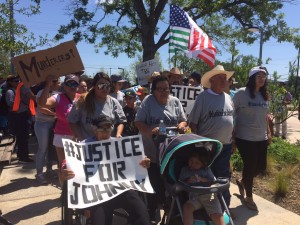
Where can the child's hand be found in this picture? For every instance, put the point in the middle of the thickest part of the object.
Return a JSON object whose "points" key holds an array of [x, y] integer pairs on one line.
{"points": [[192, 179], [145, 162], [67, 174]]}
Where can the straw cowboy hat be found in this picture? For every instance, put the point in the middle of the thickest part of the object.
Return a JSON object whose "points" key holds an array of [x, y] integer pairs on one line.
{"points": [[154, 74], [175, 71], [205, 80]]}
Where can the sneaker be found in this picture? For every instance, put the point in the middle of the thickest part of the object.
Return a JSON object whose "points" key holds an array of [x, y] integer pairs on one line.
{"points": [[41, 179], [26, 160], [51, 174]]}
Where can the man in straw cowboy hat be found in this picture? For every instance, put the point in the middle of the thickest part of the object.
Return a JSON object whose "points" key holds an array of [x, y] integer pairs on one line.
{"points": [[175, 76], [212, 117]]}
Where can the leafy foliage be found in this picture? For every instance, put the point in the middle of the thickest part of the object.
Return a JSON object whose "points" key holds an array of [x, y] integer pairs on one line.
{"points": [[15, 38], [283, 152], [280, 152], [137, 23]]}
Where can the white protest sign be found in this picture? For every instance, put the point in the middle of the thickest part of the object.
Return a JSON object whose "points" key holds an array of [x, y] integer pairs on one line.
{"points": [[186, 95], [145, 69], [104, 170]]}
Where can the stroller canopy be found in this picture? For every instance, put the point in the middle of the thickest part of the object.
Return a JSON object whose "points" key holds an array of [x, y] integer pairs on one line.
{"points": [[182, 145]]}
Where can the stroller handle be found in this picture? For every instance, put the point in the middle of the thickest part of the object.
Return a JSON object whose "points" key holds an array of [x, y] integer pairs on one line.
{"points": [[218, 185]]}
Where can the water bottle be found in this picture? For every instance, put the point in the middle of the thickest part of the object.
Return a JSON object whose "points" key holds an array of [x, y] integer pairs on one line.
{"points": [[162, 128]]}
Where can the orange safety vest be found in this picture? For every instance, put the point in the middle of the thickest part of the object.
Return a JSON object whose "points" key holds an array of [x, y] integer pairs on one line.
{"points": [[17, 101]]}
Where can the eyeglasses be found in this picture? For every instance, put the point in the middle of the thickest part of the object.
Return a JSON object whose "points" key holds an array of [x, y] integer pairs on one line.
{"points": [[104, 86], [16, 81], [108, 129], [72, 84], [261, 76], [162, 89]]}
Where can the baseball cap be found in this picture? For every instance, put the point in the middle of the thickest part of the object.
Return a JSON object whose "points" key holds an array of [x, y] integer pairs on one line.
{"points": [[117, 78], [71, 77], [142, 90], [102, 120], [129, 93], [257, 69]]}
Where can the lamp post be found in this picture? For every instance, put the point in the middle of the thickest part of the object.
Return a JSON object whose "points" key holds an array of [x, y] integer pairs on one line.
{"points": [[258, 29], [123, 70]]}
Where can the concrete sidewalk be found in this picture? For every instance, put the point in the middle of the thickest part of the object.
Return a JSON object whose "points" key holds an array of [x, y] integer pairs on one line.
{"points": [[24, 202]]}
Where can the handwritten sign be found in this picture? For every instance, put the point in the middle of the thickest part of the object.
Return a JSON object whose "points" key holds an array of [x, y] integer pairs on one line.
{"points": [[186, 95], [105, 169], [145, 69], [34, 67]]}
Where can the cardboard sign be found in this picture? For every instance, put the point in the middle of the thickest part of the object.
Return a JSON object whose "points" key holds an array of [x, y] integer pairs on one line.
{"points": [[186, 95], [34, 67], [145, 69], [104, 170]]}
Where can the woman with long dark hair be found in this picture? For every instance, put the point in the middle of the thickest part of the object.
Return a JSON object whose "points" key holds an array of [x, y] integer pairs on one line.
{"points": [[251, 130], [94, 103]]}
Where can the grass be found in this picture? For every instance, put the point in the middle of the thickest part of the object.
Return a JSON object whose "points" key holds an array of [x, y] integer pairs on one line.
{"points": [[283, 160]]}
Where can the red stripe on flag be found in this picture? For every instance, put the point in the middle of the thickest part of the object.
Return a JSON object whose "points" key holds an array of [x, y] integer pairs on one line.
{"points": [[195, 38], [208, 62]]}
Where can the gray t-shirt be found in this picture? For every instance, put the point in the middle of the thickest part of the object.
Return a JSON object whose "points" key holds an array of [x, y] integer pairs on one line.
{"points": [[186, 173], [111, 107], [213, 115], [251, 116], [151, 112], [119, 96]]}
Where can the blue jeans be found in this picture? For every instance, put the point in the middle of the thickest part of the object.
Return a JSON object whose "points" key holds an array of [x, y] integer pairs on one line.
{"points": [[42, 131], [221, 168]]}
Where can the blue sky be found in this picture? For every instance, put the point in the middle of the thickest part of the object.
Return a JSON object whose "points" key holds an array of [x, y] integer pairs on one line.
{"points": [[53, 15]]}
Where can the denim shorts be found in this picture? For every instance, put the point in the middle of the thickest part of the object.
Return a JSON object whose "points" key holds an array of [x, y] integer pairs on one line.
{"points": [[57, 140]]}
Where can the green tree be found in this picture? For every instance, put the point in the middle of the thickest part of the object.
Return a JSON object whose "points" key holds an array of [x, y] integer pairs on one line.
{"points": [[15, 38], [137, 26]]}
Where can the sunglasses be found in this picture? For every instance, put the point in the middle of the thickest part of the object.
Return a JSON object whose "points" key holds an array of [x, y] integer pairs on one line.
{"points": [[104, 86], [16, 81], [72, 84], [54, 81], [108, 129]]}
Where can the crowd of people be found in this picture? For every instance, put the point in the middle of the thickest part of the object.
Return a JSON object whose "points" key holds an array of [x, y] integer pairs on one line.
{"points": [[83, 111]]}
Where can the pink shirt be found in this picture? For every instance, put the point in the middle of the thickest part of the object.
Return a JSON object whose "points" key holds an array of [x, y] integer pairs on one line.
{"points": [[62, 109]]}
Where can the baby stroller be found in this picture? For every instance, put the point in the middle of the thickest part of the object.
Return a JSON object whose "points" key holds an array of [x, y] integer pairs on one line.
{"points": [[174, 155]]}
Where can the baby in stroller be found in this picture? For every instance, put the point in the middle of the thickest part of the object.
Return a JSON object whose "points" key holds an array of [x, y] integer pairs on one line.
{"points": [[195, 173], [185, 163]]}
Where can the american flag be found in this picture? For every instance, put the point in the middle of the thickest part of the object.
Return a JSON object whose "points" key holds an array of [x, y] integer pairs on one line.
{"points": [[187, 36]]}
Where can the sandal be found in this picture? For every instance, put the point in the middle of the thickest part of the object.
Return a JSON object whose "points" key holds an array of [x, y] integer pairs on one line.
{"points": [[241, 188], [250, 204]]}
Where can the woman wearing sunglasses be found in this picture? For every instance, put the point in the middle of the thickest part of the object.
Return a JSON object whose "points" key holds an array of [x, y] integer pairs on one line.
{"points": [[96, 102], [62, 103]]}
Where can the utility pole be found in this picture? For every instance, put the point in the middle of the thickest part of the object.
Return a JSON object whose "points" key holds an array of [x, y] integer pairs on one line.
{"points": [[297, 77], [11, 33]]}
